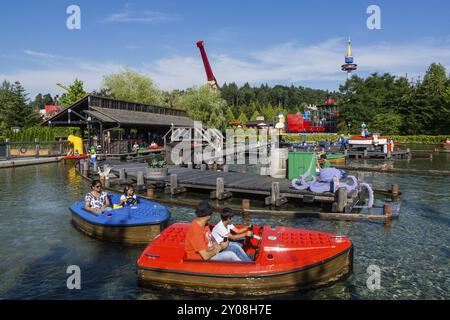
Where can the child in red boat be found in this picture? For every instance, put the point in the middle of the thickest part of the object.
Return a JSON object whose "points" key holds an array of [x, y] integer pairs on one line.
{"points": [[198, 242], [225, 230]]}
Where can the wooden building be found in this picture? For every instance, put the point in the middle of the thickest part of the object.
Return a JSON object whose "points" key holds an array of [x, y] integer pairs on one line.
{"points": [[103, 117]]}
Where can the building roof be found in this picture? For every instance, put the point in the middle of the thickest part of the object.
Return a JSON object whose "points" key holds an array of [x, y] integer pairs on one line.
{"points": [[113, 112], [126, 117]]}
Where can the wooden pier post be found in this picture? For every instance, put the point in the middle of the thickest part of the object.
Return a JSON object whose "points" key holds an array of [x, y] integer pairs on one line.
{"points": [[8, 149], [203, 167], [387, 211], [346, 153], [245, 204], [275, 197], [225, 168], [122, 177], [341, 200], [107, 183], [140, 180], [394, 191], [85, 166], [245, 214], [36, 147], [173, 188], [190, 166], [61, 151], [365, 154], [173, 183], [220, 193], [95, 167]]}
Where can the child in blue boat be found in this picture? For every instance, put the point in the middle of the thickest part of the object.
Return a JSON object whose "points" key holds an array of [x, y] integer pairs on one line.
{"points": [[128, 197], [97, 201]]}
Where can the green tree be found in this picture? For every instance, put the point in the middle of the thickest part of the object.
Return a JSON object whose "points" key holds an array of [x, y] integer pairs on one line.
{"points": [[269, 112], [255, 115], [433, 108], [47, 99], [386, 123], [205, 104], [14, 107], [243, 118], [75, 93], [133, 86], [229, 115]]}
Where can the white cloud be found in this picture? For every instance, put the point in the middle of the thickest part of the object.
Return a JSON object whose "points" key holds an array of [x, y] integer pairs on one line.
{"points": [[129, 16], [284, 63], [292, 62], [50, 69]]}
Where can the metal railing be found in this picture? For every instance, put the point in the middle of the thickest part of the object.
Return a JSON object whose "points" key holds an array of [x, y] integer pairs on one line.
{"points": [[16, 149]]}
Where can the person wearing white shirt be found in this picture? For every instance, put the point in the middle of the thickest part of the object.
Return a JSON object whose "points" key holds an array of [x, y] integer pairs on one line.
{"points": [[225, 230]]}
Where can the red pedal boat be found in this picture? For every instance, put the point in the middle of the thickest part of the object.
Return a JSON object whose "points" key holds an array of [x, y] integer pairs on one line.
{"points": [[285, 259], [82, 156]]}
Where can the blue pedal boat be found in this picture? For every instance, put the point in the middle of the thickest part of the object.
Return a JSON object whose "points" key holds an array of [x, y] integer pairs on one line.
{"points": [[136, 224]]}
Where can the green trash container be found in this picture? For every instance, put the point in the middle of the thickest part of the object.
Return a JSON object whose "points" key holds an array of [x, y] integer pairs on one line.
{"points": [[301, 162]]}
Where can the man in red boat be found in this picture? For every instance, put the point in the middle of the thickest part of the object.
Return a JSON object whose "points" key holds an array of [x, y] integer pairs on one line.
{"points": [[225, 230], [198, 242]]}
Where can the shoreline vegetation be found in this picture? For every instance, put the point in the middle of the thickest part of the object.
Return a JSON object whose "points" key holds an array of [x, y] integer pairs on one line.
{"points": [[407, 110], [46, 134], [419, 139]]}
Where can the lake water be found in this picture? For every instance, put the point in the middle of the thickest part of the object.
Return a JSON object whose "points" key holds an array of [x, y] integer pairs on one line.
{"points": [[38, 243]]}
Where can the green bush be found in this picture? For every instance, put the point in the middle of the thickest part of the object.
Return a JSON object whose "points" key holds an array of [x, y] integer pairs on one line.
{"points": [[42, 133], [425, 139]]}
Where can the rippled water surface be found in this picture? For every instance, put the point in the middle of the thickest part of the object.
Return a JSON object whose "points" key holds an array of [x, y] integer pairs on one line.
{"points": [[37, 241]]}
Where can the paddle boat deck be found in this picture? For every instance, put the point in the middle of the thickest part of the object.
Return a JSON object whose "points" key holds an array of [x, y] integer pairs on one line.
{"points": [[285, 259], [137, 224]]}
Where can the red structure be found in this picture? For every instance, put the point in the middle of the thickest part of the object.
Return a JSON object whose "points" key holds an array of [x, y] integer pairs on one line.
{"points": [[209, 74], [315, 119], [51, 110], [296, 124]]}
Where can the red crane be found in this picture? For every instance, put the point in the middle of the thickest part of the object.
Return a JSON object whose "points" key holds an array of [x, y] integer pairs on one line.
{"points": [[209, 74]]}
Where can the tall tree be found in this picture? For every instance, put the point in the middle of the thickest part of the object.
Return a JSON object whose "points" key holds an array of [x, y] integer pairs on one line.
{"points": [[205, 104], [133, 86], [15, 109], [75, 93]]}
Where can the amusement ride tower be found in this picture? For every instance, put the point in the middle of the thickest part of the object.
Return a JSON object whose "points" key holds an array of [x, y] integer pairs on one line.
{"points": [[349, 66], [209, 74]]}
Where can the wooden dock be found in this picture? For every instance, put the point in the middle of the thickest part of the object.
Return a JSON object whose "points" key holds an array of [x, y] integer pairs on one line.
{"points": [[18, 162], [388, 169], [223, 184], [357, 154], [136, 171]]}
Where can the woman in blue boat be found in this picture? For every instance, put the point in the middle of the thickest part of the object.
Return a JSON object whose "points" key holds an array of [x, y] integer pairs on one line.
{"points": [[128, 197], [96, 201]]}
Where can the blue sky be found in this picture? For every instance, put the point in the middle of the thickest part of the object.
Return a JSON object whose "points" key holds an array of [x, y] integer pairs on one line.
{"points": [[284, 42]]}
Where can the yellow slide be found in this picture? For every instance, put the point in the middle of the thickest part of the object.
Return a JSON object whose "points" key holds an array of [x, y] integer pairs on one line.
{"points": [[77, 144]]}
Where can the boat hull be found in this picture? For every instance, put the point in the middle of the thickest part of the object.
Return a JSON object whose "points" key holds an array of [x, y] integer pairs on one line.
{"points": [[138, 224], [308, 277], [283, 260], [336, 158], [125, 234]]}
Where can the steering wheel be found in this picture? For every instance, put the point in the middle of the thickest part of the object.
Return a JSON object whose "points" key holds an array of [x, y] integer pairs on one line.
{"points": [[247, 241]]}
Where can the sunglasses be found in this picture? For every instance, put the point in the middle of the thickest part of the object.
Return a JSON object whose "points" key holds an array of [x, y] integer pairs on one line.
{"points": [[99, 186]]}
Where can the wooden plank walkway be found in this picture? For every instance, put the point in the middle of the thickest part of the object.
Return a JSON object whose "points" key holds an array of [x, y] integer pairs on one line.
{"points": [[18, 162], [234, 182], [401, 154]]}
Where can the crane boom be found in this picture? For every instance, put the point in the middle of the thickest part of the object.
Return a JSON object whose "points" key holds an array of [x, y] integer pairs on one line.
{"points": [[209, 74], [62, 86]]}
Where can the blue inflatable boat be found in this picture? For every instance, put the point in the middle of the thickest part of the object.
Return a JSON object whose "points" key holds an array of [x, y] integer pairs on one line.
{"points": [[131, 224]]}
